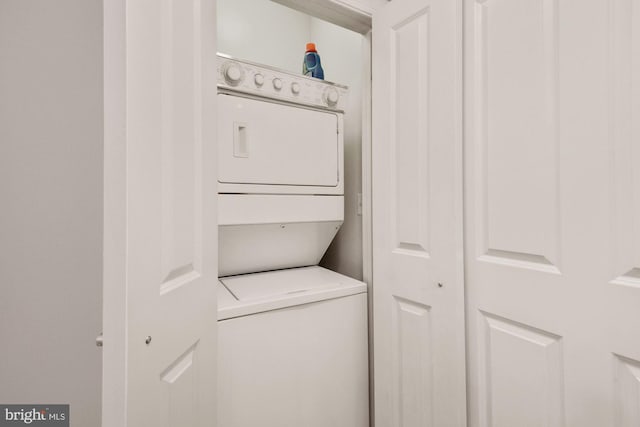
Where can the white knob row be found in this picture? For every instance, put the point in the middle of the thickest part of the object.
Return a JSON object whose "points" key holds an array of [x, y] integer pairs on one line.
{"points": [[234, 74], [258, 79]]}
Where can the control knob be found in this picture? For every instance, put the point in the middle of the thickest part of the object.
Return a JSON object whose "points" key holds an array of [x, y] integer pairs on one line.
{"points": [[258, 79], [295, 88], [331, 96], [277, 83], [233, 73]]}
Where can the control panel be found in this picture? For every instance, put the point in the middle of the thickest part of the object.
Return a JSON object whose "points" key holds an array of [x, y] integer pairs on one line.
{"points": [[261, 80]]}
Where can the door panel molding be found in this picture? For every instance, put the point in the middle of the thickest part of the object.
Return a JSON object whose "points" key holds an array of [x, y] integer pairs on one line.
{"points": [[625, 133], [522, 370], [516, 51], [410, 124], [627, 391], [413, 368]]}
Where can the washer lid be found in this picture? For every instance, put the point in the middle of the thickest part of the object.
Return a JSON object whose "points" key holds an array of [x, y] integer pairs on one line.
{"points": [[272, 290], [273, 284]]}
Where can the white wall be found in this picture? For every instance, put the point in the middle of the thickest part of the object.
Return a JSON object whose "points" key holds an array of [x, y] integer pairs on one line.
{"points": [[269, 33], [51, 212], [263, 32]]}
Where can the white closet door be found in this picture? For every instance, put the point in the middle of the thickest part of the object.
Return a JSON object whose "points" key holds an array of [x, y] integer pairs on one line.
{"points": [[419, 359], [552, 212], [160, 217]]}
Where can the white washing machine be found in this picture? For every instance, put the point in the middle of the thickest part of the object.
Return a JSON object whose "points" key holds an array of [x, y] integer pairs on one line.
{"points": [[292, 335], [292, 350]]}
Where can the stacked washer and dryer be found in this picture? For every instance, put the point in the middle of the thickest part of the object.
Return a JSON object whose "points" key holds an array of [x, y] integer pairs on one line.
{"points": [[292, 335]]}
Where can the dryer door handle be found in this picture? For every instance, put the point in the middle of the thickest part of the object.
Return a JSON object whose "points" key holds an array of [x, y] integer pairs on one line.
{"points": [[240, 140]]}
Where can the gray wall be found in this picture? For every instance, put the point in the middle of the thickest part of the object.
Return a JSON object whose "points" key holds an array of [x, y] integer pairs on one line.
{"points": [[51, 204]]}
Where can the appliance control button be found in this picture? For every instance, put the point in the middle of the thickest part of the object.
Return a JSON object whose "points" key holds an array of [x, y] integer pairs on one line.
{"points": [[258, 79], [233, 73], [277, 84], [331, 96], [295, 88]]}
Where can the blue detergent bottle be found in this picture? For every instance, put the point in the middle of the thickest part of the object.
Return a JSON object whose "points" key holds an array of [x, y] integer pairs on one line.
{"points": [[311, 65]]}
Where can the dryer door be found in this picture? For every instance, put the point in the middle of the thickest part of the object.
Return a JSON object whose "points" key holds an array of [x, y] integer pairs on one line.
{"points": [[264, 143]]}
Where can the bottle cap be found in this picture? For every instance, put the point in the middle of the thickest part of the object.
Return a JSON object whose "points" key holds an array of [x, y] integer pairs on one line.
{"points": [[311, 47]]}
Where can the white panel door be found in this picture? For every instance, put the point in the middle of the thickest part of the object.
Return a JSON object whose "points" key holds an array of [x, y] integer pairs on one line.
{"points": [[418, 296], [160, 217], [552, 212]]}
